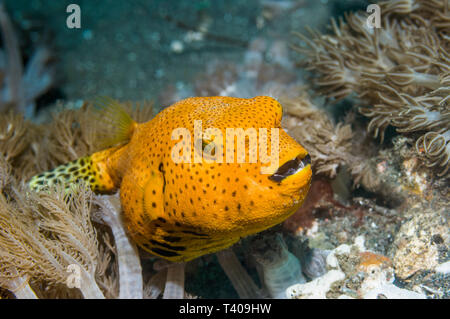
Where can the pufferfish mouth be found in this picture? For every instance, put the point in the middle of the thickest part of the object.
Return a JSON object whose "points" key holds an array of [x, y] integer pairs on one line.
{"points": [[290, 168]]}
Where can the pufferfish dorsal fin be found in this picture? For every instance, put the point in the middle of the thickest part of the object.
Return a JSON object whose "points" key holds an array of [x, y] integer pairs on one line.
{"points": [[118, 126]]}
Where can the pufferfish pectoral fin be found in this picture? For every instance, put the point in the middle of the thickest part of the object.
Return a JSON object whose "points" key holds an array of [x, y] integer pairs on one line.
{"points": [[153, 229]]}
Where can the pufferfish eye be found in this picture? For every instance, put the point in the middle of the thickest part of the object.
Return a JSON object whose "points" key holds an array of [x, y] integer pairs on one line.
{"points": [[290, 168]]}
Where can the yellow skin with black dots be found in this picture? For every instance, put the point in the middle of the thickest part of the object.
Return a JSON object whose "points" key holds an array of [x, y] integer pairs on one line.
{"points": [[180, 211]]}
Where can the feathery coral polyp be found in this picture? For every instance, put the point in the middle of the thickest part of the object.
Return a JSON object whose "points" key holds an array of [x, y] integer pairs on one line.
{"points": [[400, 71]]}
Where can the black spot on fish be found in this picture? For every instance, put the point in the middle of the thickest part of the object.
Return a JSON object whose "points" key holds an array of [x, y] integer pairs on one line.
{"points": [[164, 253], [162, 220], [194, 233], [172, 239], [176, 248]]}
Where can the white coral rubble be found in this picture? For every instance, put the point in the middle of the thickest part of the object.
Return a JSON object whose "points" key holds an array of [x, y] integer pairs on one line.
{"points": [[353, 272]]}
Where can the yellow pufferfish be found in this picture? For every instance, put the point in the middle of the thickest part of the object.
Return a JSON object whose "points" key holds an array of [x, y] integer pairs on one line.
{"points": [[180, 211]]}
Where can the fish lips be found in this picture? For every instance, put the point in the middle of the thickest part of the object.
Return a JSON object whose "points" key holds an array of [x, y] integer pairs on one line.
{"points": [[290, 168]]}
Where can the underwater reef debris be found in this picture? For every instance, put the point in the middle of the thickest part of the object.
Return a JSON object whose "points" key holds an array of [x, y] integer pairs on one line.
{"points": [[328, 222], [400, 72], [20, 88], [278, 268], [397, 177], [317, 288], [354, 272], [422, 241], [320, 198]]}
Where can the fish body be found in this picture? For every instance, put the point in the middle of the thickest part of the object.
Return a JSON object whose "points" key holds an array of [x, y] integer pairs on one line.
{"points": [[182, 210]]}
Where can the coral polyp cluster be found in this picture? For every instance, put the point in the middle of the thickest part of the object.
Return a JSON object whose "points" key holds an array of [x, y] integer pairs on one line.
{"points": [[400, 71]]}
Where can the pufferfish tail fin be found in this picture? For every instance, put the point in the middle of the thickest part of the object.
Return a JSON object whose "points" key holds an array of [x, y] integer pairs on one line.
{"points": [[81, 170], [101, 170]]}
